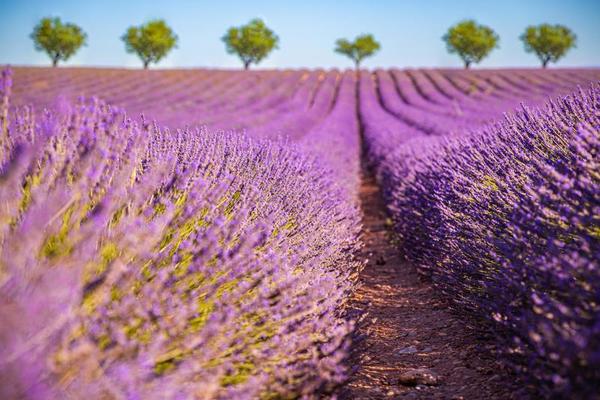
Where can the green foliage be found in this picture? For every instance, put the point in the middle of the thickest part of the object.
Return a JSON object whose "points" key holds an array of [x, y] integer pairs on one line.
{"points": [[548, 42], [151, 41], [363, 46], [60, 41], [58, 245], [251, 42], [471, 41]]}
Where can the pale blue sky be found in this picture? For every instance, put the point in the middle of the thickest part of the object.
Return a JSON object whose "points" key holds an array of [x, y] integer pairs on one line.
{"points": [[409, 31]]}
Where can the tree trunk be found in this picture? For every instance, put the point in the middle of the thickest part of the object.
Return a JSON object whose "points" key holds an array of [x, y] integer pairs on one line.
{"points": [[545, 62], [357, 65], [146, 64], [246, 65], [55, 61], [467, 64]]}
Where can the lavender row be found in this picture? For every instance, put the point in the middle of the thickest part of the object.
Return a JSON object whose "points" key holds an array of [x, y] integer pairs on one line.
{"points": [[140, 262], [505, 222], [336, 139]]}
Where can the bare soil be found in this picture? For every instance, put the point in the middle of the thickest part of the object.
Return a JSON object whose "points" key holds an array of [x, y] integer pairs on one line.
{"points": [[410, 345]]}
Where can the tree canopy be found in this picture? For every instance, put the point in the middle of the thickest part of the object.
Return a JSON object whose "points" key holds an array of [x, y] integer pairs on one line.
{"points": [[548, 42], [471, 41], [251, 42], [60, 41], [151, 41], [363, 46]]}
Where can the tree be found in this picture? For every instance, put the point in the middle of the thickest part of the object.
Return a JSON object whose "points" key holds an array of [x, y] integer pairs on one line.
{"points": [[363, 46], [548, 42], [251, 42], [471, 41], [60, 41], [151, 41]]}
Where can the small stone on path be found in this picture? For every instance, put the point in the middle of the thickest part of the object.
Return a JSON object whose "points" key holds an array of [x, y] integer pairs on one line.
{"points": [[419, 376], [408, 350]]}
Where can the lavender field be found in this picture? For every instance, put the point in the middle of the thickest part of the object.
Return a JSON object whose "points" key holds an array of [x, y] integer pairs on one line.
{"points": [[198, 233]]}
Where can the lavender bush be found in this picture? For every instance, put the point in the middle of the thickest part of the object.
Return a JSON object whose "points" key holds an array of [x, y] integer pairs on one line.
{"points": [[137, 262], [506, 222]]}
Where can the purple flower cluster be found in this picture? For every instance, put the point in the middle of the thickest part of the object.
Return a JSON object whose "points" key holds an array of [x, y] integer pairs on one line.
{"points": [[505, 220], [138, 262]]}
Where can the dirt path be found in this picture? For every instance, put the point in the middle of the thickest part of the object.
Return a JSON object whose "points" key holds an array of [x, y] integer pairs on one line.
{"points": [[409, 335]]}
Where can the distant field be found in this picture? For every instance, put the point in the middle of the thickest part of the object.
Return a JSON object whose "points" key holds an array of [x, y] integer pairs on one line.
{"points": [[293, 102]]}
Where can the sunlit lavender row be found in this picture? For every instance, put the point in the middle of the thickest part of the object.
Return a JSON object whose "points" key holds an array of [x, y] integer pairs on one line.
{"points": [[138, 262], [505, 221]]}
